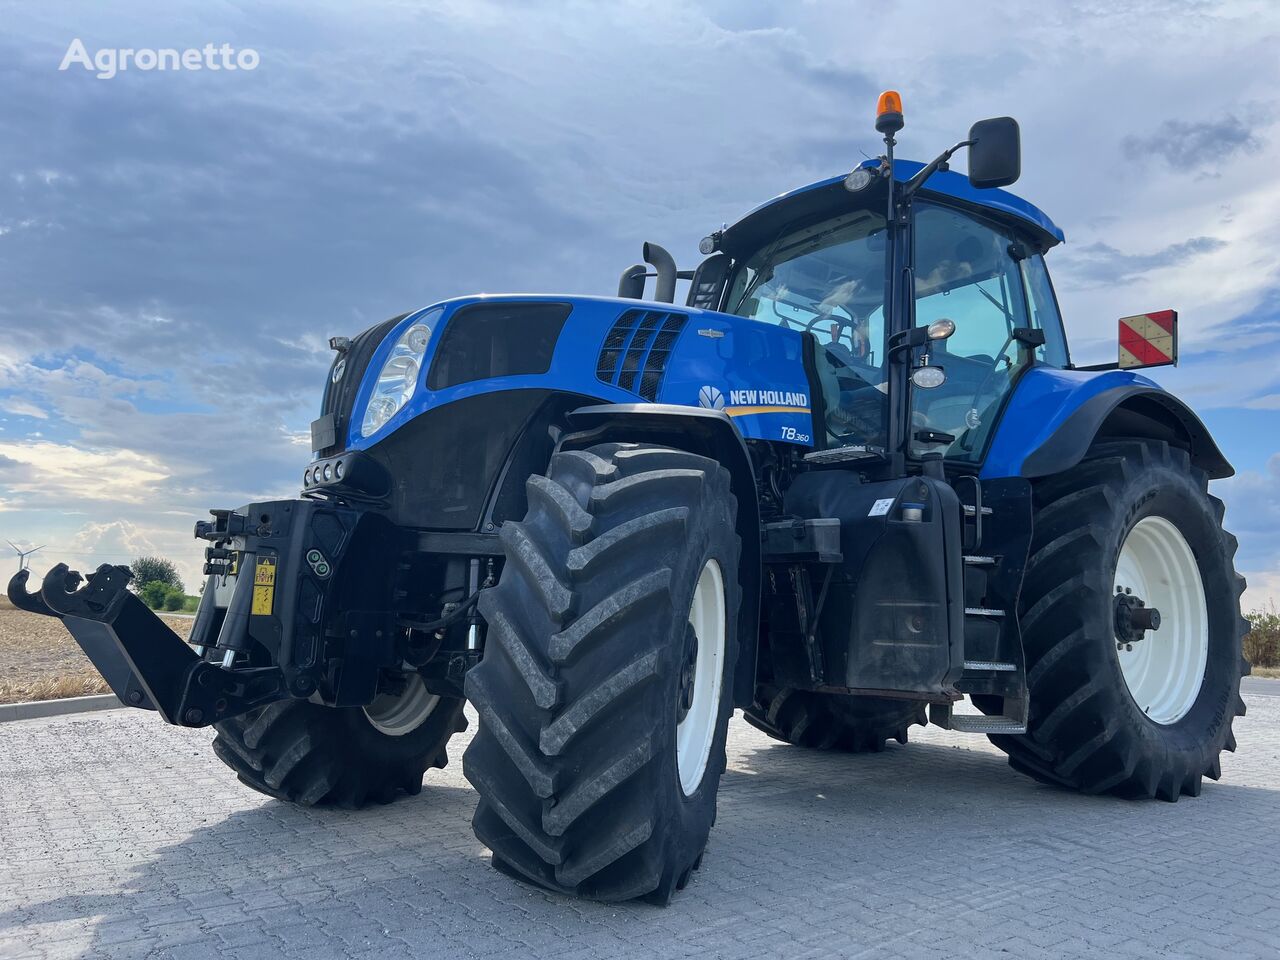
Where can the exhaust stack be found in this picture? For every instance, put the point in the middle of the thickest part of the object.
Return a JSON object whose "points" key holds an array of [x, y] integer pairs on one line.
{"points": [[665, 265]]}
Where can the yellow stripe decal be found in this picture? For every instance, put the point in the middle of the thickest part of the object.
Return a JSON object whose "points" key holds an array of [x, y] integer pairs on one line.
{"points": [[748, 411]]}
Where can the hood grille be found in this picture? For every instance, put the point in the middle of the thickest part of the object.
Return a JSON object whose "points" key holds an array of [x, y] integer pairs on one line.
{"points": [[636, 350], [341, 396]]}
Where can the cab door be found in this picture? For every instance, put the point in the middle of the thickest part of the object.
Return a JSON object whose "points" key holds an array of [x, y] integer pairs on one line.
{"points": [[976, 274]]}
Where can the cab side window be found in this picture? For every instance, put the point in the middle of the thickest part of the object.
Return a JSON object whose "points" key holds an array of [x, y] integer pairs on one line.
{"points": [[1044, 311]]}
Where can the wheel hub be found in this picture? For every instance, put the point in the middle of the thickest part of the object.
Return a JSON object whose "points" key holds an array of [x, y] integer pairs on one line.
{"points": [[401, 712], [1133, 618], [688, 672]]}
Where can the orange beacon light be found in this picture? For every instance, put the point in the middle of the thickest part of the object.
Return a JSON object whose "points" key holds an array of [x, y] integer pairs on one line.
{"points": [[889, 112]]}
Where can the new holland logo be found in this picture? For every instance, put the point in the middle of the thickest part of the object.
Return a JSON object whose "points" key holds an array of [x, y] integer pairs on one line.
{"points": [[711, 398], [741, 403], [768, 398]]}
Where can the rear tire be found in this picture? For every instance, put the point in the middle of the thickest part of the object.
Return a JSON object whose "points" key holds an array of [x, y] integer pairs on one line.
{"points": [[824, 721], [313, 755], [605, 690], [1087, 730]]}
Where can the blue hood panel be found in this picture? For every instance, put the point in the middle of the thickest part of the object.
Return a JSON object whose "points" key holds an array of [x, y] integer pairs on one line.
{"points": [[751, 370]]}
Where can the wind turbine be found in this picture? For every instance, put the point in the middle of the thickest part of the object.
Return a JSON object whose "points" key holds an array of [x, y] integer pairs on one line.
{"points": [[23, 554]]}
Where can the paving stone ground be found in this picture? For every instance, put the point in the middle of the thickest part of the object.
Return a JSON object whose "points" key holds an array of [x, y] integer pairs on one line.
{"points": [[121, 837]]}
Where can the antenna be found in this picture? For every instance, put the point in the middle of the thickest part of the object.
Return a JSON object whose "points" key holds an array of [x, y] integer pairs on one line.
{"points": [[23, 554]]}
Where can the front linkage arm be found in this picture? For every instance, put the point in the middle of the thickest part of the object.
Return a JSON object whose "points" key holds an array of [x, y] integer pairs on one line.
{"points": [[146, 664]]}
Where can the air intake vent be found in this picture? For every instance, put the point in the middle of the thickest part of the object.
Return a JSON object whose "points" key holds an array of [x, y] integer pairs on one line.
{"points": [[635, 353]]}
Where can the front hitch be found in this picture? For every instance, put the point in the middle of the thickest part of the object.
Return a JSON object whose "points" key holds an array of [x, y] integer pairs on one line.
{"points": [[298, 603], [145, 663]]}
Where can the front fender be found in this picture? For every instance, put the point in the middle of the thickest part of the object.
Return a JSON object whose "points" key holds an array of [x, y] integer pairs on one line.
{"points": [[709, 433], [1054, 416]]}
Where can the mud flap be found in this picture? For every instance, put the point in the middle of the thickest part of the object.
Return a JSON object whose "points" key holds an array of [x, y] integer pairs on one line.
{"points": [[145, 663]]}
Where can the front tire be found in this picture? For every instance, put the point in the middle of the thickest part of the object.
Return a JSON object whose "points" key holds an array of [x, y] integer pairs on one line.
{"points": [[1112, 710], [605, 690], [349, 757]]}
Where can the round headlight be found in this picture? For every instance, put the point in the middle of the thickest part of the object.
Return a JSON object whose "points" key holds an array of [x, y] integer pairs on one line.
{"points": [[328, 473], [338, 369], [306, 477], [416, 338], [398, 378], [859, 179], [381, 409], [926, 378], [337, 470]]}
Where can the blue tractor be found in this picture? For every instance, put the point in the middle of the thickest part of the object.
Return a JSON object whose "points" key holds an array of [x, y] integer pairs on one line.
{"points": [[854, 480]]}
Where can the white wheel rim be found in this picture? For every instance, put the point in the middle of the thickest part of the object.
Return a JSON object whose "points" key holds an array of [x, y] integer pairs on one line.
{"points": [[695, 733], [401, 713], [1165, 669]]}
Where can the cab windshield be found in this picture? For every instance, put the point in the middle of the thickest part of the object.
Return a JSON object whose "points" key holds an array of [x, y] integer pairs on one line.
{"points": [[828, 279]]}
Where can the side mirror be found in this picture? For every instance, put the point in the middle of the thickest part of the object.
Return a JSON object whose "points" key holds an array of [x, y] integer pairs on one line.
{"points": [[995, 155], [1149, 340]]}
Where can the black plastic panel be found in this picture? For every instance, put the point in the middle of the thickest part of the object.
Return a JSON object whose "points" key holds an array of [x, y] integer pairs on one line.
{"points": [[339, 397], [893, 616], [444, 462], [497, 340]]}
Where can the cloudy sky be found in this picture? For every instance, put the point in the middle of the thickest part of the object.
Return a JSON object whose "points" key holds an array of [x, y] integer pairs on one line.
{"points": [[176, 248]]}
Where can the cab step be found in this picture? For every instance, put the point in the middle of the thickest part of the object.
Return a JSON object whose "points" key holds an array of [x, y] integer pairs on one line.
{"points": [[941, 715], [968, 723], [983, 612], [991, 665], [973, 560]]}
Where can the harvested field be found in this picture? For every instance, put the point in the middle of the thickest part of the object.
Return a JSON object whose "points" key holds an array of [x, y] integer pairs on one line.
{"points": [[40, 661]]}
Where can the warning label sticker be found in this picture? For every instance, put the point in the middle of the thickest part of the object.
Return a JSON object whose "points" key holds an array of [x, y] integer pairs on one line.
{"points": [[881, 507], [264, 587]]}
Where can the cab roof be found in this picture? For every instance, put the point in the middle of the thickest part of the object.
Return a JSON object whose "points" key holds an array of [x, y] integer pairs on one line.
{"points": [[764, 222]]}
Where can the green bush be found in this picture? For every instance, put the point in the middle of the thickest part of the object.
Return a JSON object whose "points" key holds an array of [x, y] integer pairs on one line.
{"points": [[1262, 643], [159, 595], [153, 593]]}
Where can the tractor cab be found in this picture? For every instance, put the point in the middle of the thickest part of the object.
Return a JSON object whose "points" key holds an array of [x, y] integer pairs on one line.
{"points": [[969, 262]]}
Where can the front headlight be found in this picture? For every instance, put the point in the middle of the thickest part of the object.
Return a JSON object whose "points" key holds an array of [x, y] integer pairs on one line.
{"points": [[398, 378]]}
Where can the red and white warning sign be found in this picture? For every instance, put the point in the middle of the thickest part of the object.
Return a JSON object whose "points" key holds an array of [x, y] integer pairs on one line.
{"points": [[1149, 339]]}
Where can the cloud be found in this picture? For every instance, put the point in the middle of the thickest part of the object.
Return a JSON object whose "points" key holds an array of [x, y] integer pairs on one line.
{"points": [[1186, 145], [1100, 264], [23, 408], [58, 474], [1253, 515], [110, 542]]}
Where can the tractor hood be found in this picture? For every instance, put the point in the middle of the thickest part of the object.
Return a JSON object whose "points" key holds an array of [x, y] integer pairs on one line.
{"points": [[601, 349], [499, 375]]}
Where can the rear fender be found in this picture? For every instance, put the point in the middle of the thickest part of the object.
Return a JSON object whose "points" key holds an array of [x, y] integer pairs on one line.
{"points": [[1054, 417], [709, 433]]}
